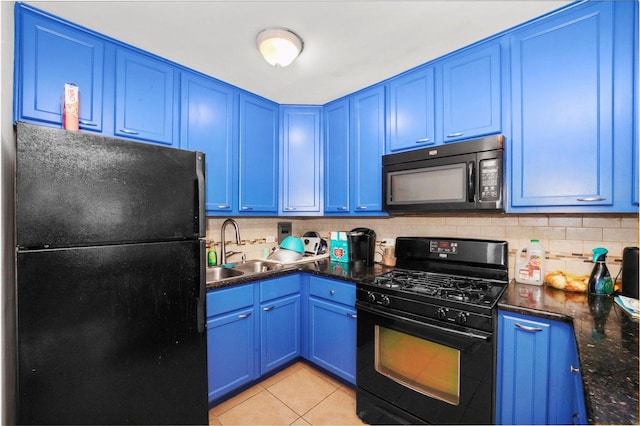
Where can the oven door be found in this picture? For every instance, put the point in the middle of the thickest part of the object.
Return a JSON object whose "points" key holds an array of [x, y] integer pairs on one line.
{"points": [[434, 373]]}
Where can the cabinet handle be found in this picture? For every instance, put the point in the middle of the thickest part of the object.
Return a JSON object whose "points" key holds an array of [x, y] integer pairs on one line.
{"points": [[130, 132], [343, 208], [332, 292], [455, 135], [362, 207], [573, 369], [244, 315], [591, 199], [246, 208], [423, 140], [289, 208], [350, 315], [527, 328], [268, 308], [88, 123], [223, 207]]}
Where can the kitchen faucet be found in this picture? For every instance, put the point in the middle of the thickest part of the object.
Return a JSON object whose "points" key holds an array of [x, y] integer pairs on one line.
{"points": [[223, 254]]}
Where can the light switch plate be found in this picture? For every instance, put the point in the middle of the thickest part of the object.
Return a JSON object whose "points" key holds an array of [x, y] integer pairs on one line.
{"points": [[284, 230]]}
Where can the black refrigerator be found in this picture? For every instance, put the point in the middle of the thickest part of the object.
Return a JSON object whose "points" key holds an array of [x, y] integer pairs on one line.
{"points": [[110, 280]]}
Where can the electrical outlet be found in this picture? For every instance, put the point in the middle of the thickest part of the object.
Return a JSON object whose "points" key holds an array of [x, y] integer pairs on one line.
{"points": [[388, 241], [270, 239]]}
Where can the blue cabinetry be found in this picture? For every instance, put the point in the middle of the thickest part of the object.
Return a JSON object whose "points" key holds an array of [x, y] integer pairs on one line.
{"points": [[411, 102], [332, 326], [571, 91], [208, 122], [258, 185], [50, 53], [279, 321], [336, 157], [230, 339], [366, 141], [300, 160], [538, 379], [145, 101], [471, 95]]}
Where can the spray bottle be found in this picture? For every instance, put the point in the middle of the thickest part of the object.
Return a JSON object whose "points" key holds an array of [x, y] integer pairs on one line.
{"points": [[600, 281]]}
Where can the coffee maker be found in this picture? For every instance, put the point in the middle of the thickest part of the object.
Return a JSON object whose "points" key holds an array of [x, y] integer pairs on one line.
{"points": [[362, 247]]}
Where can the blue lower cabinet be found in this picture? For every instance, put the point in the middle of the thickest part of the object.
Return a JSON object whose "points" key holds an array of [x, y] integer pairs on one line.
{"points": [[538, 379], [332, 326], [230, 339], [279, 332]]}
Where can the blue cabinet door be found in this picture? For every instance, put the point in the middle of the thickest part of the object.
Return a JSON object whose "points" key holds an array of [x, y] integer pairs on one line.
{"points": [[538, 367], [336, 157], [144, 98], [332, 338], [471, 95], [258, 183], [523, 370], [230, 351], [207, 125], [301, 160], [367, 133], [279, 332], [50, 53], [411, 110], [562, 86]]}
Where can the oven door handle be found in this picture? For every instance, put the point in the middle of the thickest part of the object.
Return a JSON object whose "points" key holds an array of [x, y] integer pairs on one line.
{"points": [[446, 330]]}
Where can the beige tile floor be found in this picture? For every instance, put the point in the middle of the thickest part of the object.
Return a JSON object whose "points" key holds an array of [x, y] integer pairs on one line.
{"points": [[298, 395]]}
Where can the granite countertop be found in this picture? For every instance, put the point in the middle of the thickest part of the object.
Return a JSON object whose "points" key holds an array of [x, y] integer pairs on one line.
{"points": [[607, 339]]}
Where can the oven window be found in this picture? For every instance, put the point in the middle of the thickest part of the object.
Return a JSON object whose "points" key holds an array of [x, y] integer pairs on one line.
{"points": [[445, 184], [427, 367]]}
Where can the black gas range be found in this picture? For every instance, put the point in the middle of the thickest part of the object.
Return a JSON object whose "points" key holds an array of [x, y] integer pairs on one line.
{"points": [[439, 305]]}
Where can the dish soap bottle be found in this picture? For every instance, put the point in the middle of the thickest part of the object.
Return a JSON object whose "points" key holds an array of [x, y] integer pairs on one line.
{"points": [[530, 270], [212, 257], [600, 281]]}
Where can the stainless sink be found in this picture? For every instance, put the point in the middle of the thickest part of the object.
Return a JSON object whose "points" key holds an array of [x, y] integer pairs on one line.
{"points": [[219, 273], [256, 266], [250, 267]]}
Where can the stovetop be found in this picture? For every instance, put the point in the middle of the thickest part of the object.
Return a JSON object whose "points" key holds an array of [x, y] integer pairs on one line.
{"points": [[471, 290]]}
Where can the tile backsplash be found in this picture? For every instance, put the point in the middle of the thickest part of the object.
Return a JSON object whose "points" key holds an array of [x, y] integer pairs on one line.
{"points": [[568, 239]]}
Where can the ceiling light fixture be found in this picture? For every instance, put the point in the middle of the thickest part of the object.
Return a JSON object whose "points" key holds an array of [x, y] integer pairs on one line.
{"points": [[279, 46]]}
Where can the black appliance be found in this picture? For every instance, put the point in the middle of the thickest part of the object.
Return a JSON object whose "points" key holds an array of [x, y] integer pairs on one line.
{"points": [[629, 272], [463, 176], [362, 247], [111, 281], [425, 333]]}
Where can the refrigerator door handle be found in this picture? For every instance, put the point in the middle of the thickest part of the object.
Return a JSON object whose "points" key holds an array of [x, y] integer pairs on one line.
{"points": [[201, 220], [202, 296]]}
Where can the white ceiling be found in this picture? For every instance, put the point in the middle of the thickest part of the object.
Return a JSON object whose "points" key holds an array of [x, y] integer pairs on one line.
{"points": [[348, 45]]}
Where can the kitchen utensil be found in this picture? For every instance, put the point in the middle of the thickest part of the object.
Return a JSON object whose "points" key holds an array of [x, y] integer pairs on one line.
{"points": [[293, 243]]}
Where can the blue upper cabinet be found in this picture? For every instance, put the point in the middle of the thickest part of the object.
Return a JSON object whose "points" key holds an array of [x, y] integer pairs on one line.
{"points": [[145, 100], [258, 155], [471, 95], [411, 110], [336, 157], [301, 160], [572, 88], [367, 134], [208, 124], [50, 53]]}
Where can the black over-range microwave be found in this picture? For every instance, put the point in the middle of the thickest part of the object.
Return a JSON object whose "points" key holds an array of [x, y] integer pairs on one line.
{"points": [[460, 177]]}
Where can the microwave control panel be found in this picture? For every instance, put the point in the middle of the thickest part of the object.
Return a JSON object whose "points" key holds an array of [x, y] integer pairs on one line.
{"points": [[490, 179]]}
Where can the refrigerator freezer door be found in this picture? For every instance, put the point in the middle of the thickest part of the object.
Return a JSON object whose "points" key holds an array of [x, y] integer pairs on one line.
{"points": [[79, 189], [112, 335]]}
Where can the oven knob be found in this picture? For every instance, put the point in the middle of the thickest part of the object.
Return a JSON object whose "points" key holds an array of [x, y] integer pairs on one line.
{"points": [[441, 313], [385, 301], [462, 317], [371, 297]]}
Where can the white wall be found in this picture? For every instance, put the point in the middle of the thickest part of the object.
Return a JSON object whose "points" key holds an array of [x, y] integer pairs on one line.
{"points": [[7, 165]]}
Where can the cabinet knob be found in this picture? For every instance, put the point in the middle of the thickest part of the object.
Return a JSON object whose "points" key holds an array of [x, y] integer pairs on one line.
{"points": [[332, 292], [527, 328]]}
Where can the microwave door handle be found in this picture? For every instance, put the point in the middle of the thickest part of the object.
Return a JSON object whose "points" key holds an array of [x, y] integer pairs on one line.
{"points": [[471, 182]]}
